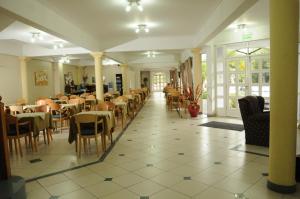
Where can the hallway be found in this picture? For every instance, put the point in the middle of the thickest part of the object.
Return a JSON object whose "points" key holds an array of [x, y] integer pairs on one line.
{"points": [[161, 156]]}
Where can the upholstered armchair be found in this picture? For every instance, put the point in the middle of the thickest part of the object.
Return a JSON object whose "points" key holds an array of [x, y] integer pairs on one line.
{"points": [[256, 121]]}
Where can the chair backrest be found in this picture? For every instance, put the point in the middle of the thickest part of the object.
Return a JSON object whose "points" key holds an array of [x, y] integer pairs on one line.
{"points": [[90, 97], [122, 99], [21, 102], [64, 98], [74, 101], [102, 106], [81, 100], [250, 105], [73, 96], [111, 106], [16, 109], [59, 95], [54, 107], [48, 101], [43, 108], [84, 95], [85, 119], [41, 102]]}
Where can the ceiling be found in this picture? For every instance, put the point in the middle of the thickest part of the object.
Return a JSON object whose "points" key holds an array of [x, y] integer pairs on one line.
{"points": [[174, 24], [108, 18], [23, 33]]}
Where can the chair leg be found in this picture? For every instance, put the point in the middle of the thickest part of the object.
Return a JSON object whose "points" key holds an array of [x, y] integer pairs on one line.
{"points": [[84, 145], [30, 141], [10, 144], [79, 139], [16, 147], [35, 144], [97, 148], [20, 148], [61, 125], [48, 136], [26, 143], [44, 135]]}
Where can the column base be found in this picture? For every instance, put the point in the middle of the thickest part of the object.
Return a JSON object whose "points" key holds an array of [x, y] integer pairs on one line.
{"points": [[280, 188]]}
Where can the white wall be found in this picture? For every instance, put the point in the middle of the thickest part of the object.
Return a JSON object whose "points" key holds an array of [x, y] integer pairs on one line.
{"points": [[35, 91], [10, 84]]}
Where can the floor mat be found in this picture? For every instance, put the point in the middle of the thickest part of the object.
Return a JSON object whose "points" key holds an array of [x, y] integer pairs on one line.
{"points": [[223, 125]]}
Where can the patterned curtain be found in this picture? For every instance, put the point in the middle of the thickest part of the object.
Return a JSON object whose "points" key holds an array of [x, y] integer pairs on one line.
{"points": [[186, 74]]}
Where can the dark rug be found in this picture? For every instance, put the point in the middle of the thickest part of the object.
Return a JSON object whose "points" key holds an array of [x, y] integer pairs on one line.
{"points": [[223, 125]]}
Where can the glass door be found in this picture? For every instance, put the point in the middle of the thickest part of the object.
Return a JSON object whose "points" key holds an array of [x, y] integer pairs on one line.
{"points": [[159, 82], [237, 84], [260, 77]]}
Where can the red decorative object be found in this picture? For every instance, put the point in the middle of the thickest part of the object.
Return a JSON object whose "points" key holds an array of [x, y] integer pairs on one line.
{"points": [[194, 109]]}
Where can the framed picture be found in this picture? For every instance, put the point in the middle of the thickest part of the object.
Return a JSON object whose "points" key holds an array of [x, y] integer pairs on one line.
{"points": [[68, 78], [41, 78]]}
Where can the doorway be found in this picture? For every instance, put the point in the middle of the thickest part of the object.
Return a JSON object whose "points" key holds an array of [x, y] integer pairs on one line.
{"points": [[247, 73]]}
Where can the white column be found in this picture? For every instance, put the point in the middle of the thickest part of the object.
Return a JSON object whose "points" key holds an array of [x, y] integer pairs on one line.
{"points": [[211, 79], [124, 71], [197, 70], [98, 75], [24, 77], [137, 78]]}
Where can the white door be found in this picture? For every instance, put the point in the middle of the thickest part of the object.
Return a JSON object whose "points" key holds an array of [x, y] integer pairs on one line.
{"points": [[248, 75], [237, 84]]}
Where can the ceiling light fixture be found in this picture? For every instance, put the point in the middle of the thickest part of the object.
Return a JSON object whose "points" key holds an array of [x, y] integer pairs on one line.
{"points": [[151, 54], [64, 60], [136, 3], [36, 36], [58, 45], [142, 27]]}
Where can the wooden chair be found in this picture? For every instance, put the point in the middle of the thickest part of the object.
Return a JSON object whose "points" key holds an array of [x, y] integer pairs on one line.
{"points": [[59, 115], [41, 102], [106, 106], [42, 108], [16, 109], [58, 95], [89, 126], [89, 105], [73, 96], [21, 102], [102, 106], [17, 130], [65, 98]]}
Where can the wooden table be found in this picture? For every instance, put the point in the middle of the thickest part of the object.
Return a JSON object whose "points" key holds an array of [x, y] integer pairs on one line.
{"points": [[39, 122], [123, 109], [108, 118], [31, 107]]}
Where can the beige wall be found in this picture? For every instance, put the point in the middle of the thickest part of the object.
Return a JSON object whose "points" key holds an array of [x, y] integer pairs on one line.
{"points": [[10, 84], [75, 70], [35, 91]]}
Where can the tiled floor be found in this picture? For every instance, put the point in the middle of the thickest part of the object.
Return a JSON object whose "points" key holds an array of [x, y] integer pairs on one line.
{"points": [[161, 156], [58, 156]]}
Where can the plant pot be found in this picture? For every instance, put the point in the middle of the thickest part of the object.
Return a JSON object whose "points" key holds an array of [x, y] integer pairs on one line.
{"points": [[194, 110]]}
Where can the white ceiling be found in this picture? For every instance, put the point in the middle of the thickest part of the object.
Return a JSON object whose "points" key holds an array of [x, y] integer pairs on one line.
{"points": [[23, 33], [173, 26], [108, 18]]}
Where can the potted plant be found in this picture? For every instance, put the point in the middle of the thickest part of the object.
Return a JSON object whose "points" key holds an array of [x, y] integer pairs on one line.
{"points": [[193, 97]]}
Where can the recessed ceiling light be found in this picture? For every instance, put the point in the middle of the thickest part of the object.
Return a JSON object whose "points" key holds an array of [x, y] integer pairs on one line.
{"points": [[142, 27], [36, 36], [151, 54], [136, 3]]}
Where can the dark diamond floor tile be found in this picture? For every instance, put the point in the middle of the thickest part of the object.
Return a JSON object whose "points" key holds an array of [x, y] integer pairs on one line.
{"points": [[108, 179], [187, 178], [35, 160]]}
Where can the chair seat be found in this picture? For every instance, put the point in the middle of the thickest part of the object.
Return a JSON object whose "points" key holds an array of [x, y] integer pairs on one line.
{"points": [[58, 116], [89, 129], [22, 130]]}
